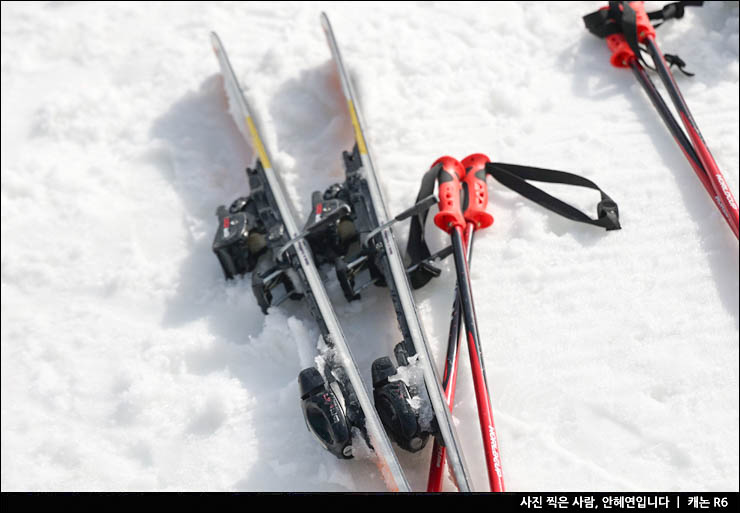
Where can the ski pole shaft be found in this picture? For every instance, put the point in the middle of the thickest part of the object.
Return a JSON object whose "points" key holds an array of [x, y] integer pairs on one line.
{"points": [[449, 379], [482, 397], [695, 149], [667, 116], [719, 184], [450, 375], [475, 214], [678, 134]]}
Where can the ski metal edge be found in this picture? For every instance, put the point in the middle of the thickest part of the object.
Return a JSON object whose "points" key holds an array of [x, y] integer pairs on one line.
{"points": [[386, 459], [455, 457]]}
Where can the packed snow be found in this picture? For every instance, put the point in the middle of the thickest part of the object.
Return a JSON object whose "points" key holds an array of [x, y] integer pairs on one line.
{"points": [[128, 363]]}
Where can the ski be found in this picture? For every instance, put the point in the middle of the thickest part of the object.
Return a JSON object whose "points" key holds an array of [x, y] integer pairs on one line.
{"points": [[258, 234], [381, 257]]}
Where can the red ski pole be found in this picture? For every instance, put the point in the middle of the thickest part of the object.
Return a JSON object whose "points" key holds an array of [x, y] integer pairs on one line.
{"points": [[716, 178], [641, 31], [451, 219], [476, 215], [624, 57], [449, 378]]}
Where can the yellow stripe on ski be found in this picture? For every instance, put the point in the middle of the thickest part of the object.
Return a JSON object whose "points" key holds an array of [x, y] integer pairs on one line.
{"points": [[258, 143], [358, 130]]}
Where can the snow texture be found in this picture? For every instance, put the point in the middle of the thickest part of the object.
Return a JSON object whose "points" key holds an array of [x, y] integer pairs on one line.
{"points": [[129, 364]]}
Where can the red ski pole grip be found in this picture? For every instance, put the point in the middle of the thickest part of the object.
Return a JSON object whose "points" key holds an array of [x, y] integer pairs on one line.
{"points": [[644, 27], [622, 54], [449, 176], [477, 197]]}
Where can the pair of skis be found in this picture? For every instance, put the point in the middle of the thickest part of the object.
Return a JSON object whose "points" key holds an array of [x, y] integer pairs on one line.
{"points": [[259, 235], [626, 26], [350, 229]]}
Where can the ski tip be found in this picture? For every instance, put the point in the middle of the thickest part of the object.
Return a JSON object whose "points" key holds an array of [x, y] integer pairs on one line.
{"points": [[215, 40], [325, 21]]}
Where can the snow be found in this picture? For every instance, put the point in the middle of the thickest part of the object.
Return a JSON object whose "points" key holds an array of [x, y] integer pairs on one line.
{"points": [[129, 364]]}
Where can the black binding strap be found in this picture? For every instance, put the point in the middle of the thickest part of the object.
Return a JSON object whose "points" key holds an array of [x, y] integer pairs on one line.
{"points": [[515, 178]]}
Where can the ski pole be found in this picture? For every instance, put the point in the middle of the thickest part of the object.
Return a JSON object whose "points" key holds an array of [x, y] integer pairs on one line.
{"points": [[625, 26], [471, 164], [646, 35], [450, 219], [623, 56], [475, 214], [719, 184], [679, 136], [449, 379]]}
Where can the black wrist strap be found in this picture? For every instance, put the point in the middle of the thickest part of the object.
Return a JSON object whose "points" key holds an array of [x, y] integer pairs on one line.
{"points": [[515, 178]]}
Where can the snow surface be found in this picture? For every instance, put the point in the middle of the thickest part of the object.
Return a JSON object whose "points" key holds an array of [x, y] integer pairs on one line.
{"points": [[129, 364]]}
